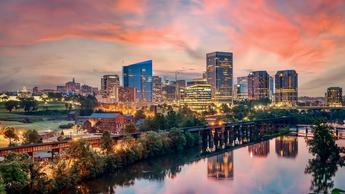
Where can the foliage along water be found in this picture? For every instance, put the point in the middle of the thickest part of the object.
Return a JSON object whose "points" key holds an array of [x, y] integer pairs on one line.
{"points": [[274, 166]]}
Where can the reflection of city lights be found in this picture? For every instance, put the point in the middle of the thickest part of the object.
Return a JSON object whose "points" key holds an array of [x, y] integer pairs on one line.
{"points": [[251, 154]]}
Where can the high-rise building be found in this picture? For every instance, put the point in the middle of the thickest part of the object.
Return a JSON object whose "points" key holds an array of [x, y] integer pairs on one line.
{"points": [[198, 97], [180, 85], [169, 92], [72, 87], [61, 89], [286, 87], [127, 95], [271, 88], [258, 85], [139, 76], [196, 81], [35, 91], [86, 90], [110, 86], [219, 68], [157, 90], [242, 88], [334, 97]]}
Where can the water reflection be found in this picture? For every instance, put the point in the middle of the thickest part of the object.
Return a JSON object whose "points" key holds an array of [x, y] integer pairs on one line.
{"points": [[261, 149], [322, 173], [287, 146], [203, 173], [221, 167]]}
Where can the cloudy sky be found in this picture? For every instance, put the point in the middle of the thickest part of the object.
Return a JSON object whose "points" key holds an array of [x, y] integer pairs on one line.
{"points": [[47, 42]]}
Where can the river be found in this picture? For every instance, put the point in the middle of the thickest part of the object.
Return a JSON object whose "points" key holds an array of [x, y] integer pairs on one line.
{"points": [[274, 166]]}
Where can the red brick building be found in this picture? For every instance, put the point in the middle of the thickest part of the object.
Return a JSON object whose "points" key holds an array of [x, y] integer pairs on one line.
{"points": [[99, 122]]}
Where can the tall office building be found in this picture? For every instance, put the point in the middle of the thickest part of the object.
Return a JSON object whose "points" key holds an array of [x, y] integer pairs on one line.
{"points": [[286, 87], [110, 86], [196, 81], [169, 92], [334, 96], [271, 88], [72, 87], [242, 88], [219, 68], [198, 97], [258, 85], [157, 89], [86, 90], [139, 76], [180, 85]]}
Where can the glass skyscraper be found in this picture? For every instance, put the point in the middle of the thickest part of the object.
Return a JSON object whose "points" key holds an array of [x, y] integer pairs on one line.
{"points": [[286, 87], [242, 88], [139, 76], [258, 85], [219, 66]]}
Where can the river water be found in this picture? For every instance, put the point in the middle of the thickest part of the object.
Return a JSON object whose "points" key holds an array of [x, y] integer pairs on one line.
{"points": [[274, 166]]}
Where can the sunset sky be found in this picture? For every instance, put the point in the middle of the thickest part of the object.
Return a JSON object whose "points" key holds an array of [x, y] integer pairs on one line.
{"points": [[47, 42]]}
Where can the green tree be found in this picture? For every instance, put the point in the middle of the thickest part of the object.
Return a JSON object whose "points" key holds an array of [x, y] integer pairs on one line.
{"points": [[326, 159], [14, 171], [178, 140], [54, 96], [225, 108], [86, 163], [87, 104], [152, 143], [37, 180], [107, 142], [28, 104], [171, 119], [2, 186], [11, 104], [14, 176], [10, 135], [32, 137]]}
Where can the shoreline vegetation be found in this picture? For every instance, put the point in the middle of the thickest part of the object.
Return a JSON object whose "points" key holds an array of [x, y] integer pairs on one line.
{"points": [[19, 174]]}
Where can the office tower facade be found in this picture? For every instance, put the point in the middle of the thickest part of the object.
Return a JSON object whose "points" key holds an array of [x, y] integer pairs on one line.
{"points": [[72, 87], [271, 88], [127, 95], [110, 86], [334, 97], [157, 90], [219, 70], [258, 85], [169, 92], [61, 89], [196, 81], [35, 91], [86, 90], [241, 88], [198, 97], [139, 76], [286, 87], [180, 85]]}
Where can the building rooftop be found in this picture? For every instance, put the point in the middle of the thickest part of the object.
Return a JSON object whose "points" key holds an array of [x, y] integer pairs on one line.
{"points": [[104, 115]]}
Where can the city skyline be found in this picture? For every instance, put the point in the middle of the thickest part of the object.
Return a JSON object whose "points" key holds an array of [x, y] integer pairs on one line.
{"points": [[45, 43]]}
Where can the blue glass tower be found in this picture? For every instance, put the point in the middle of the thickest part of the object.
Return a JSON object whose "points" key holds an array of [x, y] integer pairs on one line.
{"points": [[139, 76]]}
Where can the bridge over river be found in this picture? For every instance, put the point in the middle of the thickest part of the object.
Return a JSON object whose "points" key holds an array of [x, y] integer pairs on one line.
{"points": [[212, 136]]}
